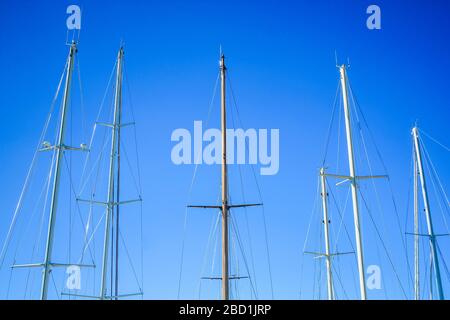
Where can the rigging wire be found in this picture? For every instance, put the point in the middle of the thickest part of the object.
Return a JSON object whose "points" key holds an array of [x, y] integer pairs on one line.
{"points": [[383, 244], [190, 191], [94, 129], [131, 262], [313, 212], [259, 193], [408, 200], [340, 281], [141, 213], [72, 188], [434, 140], [341, 213], [30, 171], [46, 188], [236, 232], [330, 125], [377, 150], [434, 177], [211, 239], [85, 179], [247, 224], [367, 160]]}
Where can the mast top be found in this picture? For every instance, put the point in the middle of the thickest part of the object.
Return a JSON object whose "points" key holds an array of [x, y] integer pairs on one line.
{"points": [[222, 62], [121, 51], [73, 46], [343, 67]]}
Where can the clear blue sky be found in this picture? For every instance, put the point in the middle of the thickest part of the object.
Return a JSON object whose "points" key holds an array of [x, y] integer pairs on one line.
{"points": [[282, 65]]}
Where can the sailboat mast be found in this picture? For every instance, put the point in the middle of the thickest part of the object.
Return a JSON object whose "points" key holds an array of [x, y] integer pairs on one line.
{"points": [[225, 206], [426, 204], [117, 216], [326, 222], [225, 275], [59, 149], [351, 162], [416, 233], [112, 160]]}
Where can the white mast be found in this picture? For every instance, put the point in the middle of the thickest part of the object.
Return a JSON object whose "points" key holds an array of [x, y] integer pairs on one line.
{"points": [[60, 147], [111, 202], [416, 233], [351, 163], [326, 222], [431, 235]]}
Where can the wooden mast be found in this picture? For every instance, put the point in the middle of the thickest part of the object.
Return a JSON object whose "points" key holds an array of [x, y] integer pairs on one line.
{"points": [[225, 275], [225, 206]]}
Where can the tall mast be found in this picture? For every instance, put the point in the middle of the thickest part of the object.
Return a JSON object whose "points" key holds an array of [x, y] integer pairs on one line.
{"points": [[225, 206], [117, 216], [225, 275], [113, 154], [326, 223], [431, 235], [351, 163], [416, 233], [60, 147]]}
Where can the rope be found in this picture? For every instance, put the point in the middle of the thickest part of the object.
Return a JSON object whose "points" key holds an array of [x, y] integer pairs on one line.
{"points": [[80, 86], [340, 281], [30, 172], [41, 224], [408, 200], [247, 224], [138, 171], [73, 192], [314, 210], [339, 136], [330, 125], [259, 193], [211, 239], [371, 136], [341, 216], [211, 236], [383, 244], [130, 262], [134, 128], [434, 140], [190, 191], [436, 176], [236, 232], [95, 124]]}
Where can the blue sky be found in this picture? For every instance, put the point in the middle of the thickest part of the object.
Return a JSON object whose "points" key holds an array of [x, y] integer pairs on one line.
{"points": [[281, 58]]}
